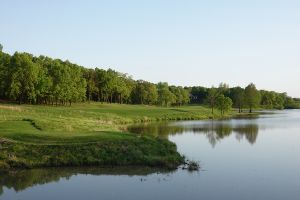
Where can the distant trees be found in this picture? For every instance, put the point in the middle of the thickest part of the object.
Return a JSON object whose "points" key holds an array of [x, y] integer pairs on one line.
{"points": [[4, 74], [223, 89], [29, 79], [211, 97], [144, 93], [42, 80], [237, 94], [252, 96], [25, 78], [65, 82], [165, 96], [218, 98], [224, 97], [198, 94], [291, 103], [224, 104], [182, 96], [108, 86], [91, 87], [272, 100]]}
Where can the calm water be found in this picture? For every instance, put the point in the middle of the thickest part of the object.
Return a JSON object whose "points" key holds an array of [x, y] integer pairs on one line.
{"points": [[253, 159]]}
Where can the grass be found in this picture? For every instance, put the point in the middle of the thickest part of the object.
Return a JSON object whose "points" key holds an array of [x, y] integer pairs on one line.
{"points": [[85, 122], [87, 134], [144, 151]]}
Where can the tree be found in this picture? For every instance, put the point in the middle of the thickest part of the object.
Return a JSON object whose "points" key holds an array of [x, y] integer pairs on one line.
{"points": [[252, 96], [110, 84], [181, 95], [165, 96], [123, 88], [271, 100], [100, 82], [237, 95], [185, 96], [43, 80], [77, 85], [152, 94], [43, 87], [24, 78], [212, 96], [290, 103], [223, 89], [127, 88], [91, 89], [4, 74], [139, 94], [223, 103], [198, 94]]}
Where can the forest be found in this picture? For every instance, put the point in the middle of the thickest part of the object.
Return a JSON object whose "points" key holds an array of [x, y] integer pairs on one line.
{"points": [[27, 79]]}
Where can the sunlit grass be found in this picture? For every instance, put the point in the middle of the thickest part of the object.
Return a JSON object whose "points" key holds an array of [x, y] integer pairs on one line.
{"points": [[85, 122], [87, 134]]}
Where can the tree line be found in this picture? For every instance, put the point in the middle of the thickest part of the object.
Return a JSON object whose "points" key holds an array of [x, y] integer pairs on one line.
{"points": [[224, 97], [42, 80]]}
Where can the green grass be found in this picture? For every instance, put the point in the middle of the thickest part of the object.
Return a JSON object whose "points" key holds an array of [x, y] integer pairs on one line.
{"points": [[143, 151], [85, 122], [87, 134]]}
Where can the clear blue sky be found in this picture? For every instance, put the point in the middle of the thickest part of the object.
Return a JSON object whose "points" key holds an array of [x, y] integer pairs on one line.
{"points": [[181, 42]]}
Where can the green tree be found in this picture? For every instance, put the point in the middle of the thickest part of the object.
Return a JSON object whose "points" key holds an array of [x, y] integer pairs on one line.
{"points": [[252, 97], [224, 104], [165, 96], [43, 80], [290, 103], [144, 93], [223, 89], [198, 94], [237, 94], [101, 77], [185, 96], [23, 78], [43, 87], [91, 88], [212, 96], [110, 84], [182, 96], [152, 94], [4, 74], [123, 88], [77, 85], [272, 100]]}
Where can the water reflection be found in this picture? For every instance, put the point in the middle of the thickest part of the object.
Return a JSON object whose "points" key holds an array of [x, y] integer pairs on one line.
{"points": [[20, 180], [234, 170], [213, 130]]}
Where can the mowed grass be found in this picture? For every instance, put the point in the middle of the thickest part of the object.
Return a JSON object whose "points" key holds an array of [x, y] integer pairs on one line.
{"points": [[87, 134], [87, 122]]}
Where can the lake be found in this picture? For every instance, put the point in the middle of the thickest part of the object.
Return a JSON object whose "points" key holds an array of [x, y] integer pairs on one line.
{"points": [[254, 158]]}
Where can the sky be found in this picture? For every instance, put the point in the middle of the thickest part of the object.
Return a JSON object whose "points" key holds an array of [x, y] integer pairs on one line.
{"points": [[186, 42]]}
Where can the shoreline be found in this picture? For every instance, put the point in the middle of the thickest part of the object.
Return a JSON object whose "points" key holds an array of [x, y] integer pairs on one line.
{"points": [[118, 148]]}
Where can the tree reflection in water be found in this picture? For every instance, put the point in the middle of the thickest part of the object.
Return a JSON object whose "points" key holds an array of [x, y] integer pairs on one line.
{"points": [[214, 130], [20, 180]]}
